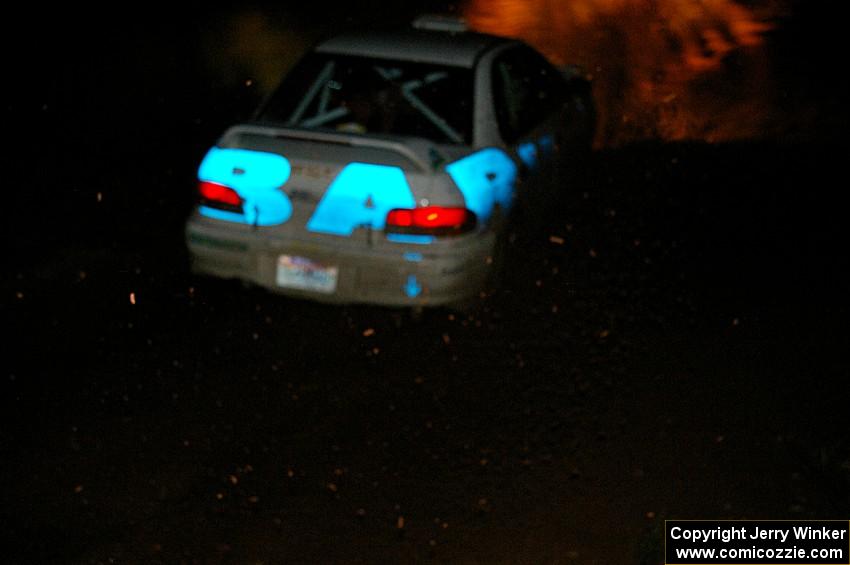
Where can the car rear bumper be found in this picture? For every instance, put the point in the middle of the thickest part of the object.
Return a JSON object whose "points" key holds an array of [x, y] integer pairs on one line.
{"points": [[383, 272]]}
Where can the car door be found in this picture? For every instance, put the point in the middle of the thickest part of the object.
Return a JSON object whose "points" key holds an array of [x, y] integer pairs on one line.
{"points": [[528, 96]]}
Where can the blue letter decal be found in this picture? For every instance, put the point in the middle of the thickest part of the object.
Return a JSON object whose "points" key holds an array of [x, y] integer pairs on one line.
{"points": [[528, 154], [485, 178], [361, 195], [256, 176], [528, 151]]}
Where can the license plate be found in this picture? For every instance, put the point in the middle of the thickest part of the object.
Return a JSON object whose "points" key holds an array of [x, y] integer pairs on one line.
{"points": [[304, 274]]}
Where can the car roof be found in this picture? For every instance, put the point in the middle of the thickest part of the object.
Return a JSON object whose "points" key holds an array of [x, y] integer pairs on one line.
{"points": [[417, 45]]}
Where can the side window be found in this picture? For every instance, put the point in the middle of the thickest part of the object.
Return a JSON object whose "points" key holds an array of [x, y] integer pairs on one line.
{"points": [[511, 95], [527, 89]]}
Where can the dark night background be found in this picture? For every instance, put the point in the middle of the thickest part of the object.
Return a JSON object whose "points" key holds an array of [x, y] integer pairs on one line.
{"points": [[682, 354]]}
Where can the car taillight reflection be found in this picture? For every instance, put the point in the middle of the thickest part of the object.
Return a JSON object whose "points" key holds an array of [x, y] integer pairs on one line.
{"points": [[431, 220], [219, 196]]}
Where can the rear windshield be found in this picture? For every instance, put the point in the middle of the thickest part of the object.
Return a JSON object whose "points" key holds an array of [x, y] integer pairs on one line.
{"points": [[361, 96]]}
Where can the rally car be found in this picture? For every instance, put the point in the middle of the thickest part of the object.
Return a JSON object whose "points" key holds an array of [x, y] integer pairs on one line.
{"points": [[384, 166]]}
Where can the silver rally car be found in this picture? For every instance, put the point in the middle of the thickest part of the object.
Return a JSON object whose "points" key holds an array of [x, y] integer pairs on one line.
{"points": [[383, 167]]}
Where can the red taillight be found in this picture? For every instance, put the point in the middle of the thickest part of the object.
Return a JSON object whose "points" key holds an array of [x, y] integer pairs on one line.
{"points": [[219, 196], [436, 220]]}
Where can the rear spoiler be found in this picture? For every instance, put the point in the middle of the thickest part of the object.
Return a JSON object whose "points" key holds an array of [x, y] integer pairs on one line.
{"points": [[418, 151]]}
